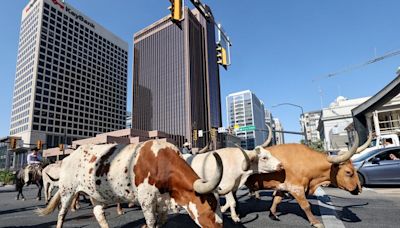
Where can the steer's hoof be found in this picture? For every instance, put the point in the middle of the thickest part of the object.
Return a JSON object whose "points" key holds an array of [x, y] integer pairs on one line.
{"points": [[120, 212], [236, 219], [273, 217], [318, 225]]}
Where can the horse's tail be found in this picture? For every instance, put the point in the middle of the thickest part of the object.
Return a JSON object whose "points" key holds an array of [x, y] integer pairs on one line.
{"points": [[54, 202], [19, 181]]}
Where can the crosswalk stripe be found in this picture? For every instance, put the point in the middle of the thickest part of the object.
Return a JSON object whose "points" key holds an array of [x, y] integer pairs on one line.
{"points": [[328, 212]]}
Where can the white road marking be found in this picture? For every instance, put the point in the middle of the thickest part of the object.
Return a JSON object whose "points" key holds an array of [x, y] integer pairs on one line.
{"points": [[328, 212]]}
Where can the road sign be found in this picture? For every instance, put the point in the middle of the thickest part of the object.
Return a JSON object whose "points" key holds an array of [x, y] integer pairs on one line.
{"points": [[200, 133], [247, 128], [222, 130]]}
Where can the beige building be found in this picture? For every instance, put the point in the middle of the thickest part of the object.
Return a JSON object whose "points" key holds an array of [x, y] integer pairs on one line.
{"points": [[335, 119]]}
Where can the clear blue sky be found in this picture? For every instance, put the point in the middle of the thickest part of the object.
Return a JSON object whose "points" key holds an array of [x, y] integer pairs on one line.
{"points": [[278, 47]]}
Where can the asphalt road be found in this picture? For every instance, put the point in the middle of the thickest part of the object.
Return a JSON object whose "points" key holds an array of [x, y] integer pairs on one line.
{"points": [[376, 207]]}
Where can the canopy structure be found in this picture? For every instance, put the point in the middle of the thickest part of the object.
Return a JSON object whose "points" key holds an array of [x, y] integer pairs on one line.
{"points": [[361, 112]]}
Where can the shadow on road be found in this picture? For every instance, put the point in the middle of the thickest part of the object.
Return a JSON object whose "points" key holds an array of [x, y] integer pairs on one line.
{"points": [[18, 210]]}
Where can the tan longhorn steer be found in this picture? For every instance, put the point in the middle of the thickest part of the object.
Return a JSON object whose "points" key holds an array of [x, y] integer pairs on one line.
{"points": [[304, 171]]}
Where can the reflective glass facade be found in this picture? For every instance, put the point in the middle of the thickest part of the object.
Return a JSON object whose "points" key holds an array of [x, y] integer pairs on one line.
{"points": [[175, 81]]}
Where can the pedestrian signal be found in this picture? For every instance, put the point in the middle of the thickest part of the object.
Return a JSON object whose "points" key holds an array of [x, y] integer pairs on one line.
{"points": [[13, 143], [39, 144]]}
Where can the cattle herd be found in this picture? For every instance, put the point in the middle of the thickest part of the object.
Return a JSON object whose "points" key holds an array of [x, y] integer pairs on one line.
{"points": [[156, 176]]}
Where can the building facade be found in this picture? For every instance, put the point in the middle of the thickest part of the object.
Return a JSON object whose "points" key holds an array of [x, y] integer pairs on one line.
{"points": [[128, 120], [176, 86], [71, 76], [335, 119], [279, 135], [245, 109], [310, 121], [269, 121]]}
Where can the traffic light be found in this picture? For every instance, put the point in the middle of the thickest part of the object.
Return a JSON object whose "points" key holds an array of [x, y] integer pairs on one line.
{"points": [[195, 135], [13, 143], [221, 56], [39, 144], [61, 146], [176, 9]]}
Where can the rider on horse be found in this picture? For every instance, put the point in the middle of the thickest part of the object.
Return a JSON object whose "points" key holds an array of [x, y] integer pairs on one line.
{"points": [[34, 161]]}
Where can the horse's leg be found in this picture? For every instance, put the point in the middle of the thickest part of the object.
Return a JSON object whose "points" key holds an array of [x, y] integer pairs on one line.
{"points": [[39, 194], [46, 192], [20, 192]]}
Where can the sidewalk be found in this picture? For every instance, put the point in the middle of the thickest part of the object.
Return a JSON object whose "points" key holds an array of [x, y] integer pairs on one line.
{"points": [[7, 188]]}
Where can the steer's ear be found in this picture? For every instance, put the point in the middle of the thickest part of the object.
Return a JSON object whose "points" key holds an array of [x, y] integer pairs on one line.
{"points": [[258, 150]]}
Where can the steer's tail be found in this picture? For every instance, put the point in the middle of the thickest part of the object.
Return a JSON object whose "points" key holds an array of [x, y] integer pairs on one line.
{"points": [[51, 206]]}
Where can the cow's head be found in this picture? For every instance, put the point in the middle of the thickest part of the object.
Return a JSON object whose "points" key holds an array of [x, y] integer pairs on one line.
{"points": [[264, 162], [260, 160], [345, 177], [204, 209], [161, 164], [343, 173]]}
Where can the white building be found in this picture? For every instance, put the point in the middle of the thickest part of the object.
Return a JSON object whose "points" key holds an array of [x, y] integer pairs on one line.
{"points": [[245, 109], [269, 120], [279, 136], [71, 76], [335, 119], [310, 121]]}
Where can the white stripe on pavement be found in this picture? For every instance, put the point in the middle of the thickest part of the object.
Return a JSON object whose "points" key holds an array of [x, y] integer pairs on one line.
{"points": [[328, 212]]}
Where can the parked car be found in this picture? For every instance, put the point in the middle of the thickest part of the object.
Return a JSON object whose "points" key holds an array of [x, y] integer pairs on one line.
{"points": [[380, 166]]}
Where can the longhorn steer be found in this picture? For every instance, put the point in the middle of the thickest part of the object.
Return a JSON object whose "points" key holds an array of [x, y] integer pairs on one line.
{"points": [[50, 175], [151, 173], [238, 165], [306, 170]]}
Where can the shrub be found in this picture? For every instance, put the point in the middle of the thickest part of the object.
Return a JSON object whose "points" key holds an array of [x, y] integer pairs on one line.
{"points": [[6, 177]]}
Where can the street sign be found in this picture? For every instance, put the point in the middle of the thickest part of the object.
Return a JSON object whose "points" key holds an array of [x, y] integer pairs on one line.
{"points": [[200, 133], [236, 126], [222, 130], [247, 128]]}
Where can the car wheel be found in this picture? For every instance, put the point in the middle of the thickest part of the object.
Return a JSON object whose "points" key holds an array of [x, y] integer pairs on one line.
{"points": [[362, 179]]}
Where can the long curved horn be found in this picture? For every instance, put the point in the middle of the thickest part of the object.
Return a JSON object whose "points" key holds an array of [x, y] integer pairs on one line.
{"points": [[268, 140], [246, 162], [204, 149], [202, 186], [345, 155], [366, 144]]}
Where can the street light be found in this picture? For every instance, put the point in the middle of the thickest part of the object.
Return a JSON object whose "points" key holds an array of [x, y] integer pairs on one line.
{"points": [[302, 114]]}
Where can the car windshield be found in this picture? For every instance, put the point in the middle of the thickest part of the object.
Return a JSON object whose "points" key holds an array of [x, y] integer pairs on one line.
{"points": [[364, 156], [373, 143]]}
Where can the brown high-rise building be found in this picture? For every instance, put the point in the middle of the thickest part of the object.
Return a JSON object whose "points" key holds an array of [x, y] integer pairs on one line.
{"points": [[176, 86]]}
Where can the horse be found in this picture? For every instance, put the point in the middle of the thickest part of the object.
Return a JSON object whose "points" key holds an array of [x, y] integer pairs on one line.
{"points": [[28, 175]]}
